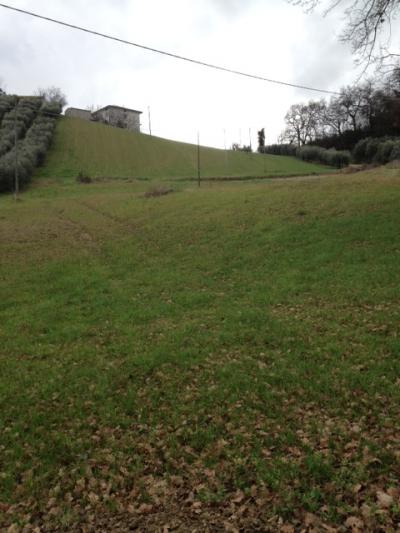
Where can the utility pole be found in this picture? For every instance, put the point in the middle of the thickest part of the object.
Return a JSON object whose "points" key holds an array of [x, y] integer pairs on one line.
{"points": [[198, 159], [16, 177], [148, 109], [226, 153], [264, 152]]}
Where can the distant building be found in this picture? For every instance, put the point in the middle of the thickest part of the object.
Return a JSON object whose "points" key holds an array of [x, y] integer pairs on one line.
{"points": [[74, 112], [120, 117], [114, 115]]}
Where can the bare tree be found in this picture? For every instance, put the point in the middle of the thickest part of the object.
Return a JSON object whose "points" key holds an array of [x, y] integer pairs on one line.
{"points": [[366, 22], [351, 101], [335, 118], [53, 95], [304, 122], [295, 131], [368, 109], [392, 80]]}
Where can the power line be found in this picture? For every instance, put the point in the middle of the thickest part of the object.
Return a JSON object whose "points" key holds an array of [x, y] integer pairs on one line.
{"points": [[169, 54]]}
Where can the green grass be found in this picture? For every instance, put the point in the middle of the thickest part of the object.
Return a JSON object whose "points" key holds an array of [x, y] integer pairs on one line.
{"points": [[222, 355], [102, 151]]}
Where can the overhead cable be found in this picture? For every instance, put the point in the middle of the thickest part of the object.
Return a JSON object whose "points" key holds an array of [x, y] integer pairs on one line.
{"points": [[169, 54]]}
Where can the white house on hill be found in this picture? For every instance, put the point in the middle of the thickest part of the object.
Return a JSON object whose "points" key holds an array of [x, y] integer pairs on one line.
{"points": [[114, 115]]}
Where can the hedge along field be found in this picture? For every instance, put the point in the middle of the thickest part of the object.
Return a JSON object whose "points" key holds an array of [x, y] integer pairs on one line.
{"points": [[331, 157], [33, 120], [222, 358], [377, 150], [102, 151]]}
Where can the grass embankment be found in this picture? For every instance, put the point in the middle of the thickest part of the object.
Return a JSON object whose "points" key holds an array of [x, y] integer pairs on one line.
{"points": [[218, 358], [103, 151]]}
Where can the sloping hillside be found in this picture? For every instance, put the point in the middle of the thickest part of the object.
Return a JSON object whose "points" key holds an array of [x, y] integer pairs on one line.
{"points": [[103, 151], [227, 355]]}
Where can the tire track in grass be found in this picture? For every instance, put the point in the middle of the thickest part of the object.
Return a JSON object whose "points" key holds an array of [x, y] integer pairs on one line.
{"points": [[80, 231], [109, 216]]}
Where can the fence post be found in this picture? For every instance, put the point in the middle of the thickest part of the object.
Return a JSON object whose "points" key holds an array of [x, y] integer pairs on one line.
{"points": [[198, 160], [149, 113], [16, 176]]}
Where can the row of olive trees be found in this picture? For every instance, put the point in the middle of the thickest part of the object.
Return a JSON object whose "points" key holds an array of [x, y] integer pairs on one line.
{"points": [[26, 129], [6, 104], [29, 151], [367, 108], [19, 118]]}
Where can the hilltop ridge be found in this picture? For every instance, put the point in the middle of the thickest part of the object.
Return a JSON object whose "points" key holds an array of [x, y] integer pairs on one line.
{"points": [[104, 151]]}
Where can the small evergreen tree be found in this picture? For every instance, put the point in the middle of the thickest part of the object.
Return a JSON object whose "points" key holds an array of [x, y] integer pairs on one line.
{"points": [[261, 140]]}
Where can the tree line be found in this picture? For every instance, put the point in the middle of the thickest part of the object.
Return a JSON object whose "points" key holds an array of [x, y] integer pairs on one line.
{"points": [[369, 109]]}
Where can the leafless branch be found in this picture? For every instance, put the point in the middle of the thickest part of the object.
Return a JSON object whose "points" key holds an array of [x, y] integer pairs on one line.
{"points": [[366, 22]]}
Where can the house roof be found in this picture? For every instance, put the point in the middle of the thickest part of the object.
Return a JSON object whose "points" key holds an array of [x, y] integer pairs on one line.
{"points": [[117, 107], [77, 109]]}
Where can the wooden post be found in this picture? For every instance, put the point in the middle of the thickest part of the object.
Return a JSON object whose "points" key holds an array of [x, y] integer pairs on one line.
{"points": [[264, 153], [148, 109], [198, 160], [16, 176], [226, 155], [264, 161]]}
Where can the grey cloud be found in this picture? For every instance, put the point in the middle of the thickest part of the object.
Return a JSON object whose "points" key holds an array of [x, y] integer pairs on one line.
{"points": [[232, 7], [322, 61], [237, 33]]}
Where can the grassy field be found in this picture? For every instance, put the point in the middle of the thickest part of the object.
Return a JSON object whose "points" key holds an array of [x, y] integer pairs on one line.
{"points": [[223, 358], [100, 150]]}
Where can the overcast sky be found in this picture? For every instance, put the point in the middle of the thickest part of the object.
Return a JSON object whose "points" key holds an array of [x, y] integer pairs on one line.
{"points": [[266, 37]]}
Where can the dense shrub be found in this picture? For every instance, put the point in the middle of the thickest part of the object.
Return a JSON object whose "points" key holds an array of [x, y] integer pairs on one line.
{"points": [[25, 166], [345, 141], [39, 136], [241, 148], [280, 149], [158, 190], [383, 154], [359, 150], [331, 157], [377, 150], [395, 154], [83, 177], [371, 149], [6, 104], [336, 158], [310, 153]]}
